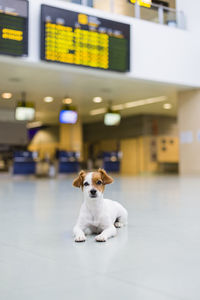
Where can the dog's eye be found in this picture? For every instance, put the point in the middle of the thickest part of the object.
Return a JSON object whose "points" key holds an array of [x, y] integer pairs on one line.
{"points": [[86, 183], [99, 182]]}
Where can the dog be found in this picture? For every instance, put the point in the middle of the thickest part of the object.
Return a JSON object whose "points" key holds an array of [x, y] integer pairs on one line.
{"points": [[97, 215]]}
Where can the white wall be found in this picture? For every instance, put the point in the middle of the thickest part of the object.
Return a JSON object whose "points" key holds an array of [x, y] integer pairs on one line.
{"points": [[7, 115], [191, 9], [13, 133], [161, 53], [158, 53]]}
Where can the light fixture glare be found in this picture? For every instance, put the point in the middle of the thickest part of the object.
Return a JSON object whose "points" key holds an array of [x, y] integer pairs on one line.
{"points": [[6, 95], [97, 99], [167, 106], [48, 99], [67, 100]]}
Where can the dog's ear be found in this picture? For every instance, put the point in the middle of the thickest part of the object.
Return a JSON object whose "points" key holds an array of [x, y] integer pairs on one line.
{"points": [[105, 177], [78, 182]]}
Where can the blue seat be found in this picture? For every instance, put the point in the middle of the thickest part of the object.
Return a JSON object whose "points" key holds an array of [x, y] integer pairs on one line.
{"points": [[68, 162], [111, 161], [24, 163]]}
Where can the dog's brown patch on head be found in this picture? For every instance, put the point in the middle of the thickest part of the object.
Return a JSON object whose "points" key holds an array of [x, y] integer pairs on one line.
{"points": [[105, 177], [78, 182], [97, 181], [100, 179]]}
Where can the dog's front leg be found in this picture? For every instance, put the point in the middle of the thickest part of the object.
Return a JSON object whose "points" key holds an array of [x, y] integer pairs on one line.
{"points": [[79, 234], [106, 234]]}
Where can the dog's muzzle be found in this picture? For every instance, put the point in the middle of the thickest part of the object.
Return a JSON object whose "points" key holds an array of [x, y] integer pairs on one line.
{"points": [[93, 193]]}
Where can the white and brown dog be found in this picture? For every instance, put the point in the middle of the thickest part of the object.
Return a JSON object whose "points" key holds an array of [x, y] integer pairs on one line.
{"points": [[97, 215]]}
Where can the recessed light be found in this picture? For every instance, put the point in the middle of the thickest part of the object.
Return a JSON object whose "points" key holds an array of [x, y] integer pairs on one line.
{"points": [[97, 99], [6, 95], [67, 101], [167, 106], [48, 99]]}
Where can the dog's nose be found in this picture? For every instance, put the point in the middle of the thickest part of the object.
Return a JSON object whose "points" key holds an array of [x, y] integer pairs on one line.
{"points": [[93, 192]]}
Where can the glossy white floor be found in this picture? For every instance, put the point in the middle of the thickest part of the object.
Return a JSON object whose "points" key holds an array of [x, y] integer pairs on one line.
{"points": [[156, 257]]}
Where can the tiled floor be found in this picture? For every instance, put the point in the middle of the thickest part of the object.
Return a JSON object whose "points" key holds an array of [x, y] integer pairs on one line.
{"points": [[156, 257]]}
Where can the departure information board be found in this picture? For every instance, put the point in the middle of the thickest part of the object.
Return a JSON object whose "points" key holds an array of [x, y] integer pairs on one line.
{"points": [[79, 39], [14, 27]]}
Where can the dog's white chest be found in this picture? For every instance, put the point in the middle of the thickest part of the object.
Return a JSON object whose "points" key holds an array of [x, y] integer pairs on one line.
{"points": [[98, 221], [94, 221]]}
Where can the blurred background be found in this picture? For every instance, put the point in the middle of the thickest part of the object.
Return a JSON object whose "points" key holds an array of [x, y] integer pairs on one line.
{"points": [[88, 84], [100, 83]]}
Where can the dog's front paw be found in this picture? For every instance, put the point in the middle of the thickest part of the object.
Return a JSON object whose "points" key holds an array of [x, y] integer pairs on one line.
{"points": [[101, 238], [80, 238]]}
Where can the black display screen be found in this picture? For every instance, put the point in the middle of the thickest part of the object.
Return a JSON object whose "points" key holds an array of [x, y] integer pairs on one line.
{"points": [[14, 27], [79, 39]]}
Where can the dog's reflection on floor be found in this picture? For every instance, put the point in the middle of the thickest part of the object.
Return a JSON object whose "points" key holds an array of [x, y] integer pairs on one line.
{"points": [[101, 256]]}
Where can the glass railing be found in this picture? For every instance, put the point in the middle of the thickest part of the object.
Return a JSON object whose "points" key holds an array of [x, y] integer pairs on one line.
{"points": [[154, 13], [161, 15]]}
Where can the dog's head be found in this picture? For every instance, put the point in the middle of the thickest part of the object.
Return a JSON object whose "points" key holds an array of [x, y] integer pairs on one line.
{"points": [[93, 183]]}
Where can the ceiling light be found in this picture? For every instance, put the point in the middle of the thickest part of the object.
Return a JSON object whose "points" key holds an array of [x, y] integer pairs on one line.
{"points": [[6, 95], [112, 119], [34, 124], [67, 101], [98, 111], [167, 106], [137, 103], [97, 99], [145, 102], [118, 107], [48, 99], [130, 105]]}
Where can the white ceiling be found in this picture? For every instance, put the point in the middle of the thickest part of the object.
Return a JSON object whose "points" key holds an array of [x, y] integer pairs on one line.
{"points": [[80, 84]]}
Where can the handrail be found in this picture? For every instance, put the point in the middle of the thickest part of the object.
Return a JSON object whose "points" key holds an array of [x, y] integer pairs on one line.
{"points": [[164, 7]]}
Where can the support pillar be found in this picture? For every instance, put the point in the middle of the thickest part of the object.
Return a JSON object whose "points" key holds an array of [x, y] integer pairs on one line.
{"points": [[189, 131], [71, 137]]}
